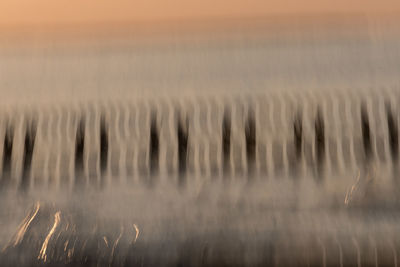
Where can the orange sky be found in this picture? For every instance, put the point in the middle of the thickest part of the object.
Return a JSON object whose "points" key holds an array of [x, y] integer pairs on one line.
{"points": [[53, 12]]}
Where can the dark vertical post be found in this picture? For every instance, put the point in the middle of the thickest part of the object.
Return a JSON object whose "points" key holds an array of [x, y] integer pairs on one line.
{"points": [[79, 151], [298, 135], [393, 134], [226, 142], [319, 141], [154, 146], [103, 150], [250, 133], [7, 155], [182, 134], [29, 144], [366, 133]]}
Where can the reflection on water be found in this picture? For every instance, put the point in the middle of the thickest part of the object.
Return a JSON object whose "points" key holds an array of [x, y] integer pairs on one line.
{"points": [[235, 222]]}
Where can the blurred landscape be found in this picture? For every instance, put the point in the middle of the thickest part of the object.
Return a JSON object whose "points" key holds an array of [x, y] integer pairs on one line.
{"points": [[310, 176]]}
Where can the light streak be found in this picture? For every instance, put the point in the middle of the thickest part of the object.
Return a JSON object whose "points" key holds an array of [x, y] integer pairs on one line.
{"points": [[23, 227], [115, 244], [105, 240], [66, 245], [42, 254], [137, 232], [353, 188]]}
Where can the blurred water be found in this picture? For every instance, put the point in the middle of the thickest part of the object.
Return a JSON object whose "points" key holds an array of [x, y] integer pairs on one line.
{"points": [[231, 223], [259, 219]]}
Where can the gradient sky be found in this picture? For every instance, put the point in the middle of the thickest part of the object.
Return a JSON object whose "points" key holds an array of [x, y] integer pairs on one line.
{"points": [[31, 12]]}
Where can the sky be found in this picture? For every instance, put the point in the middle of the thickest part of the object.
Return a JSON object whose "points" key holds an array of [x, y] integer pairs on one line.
{"points": [[54, 12]]}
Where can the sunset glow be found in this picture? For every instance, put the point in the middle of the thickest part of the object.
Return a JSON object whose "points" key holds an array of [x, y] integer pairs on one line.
{"points": [[45, 12]]}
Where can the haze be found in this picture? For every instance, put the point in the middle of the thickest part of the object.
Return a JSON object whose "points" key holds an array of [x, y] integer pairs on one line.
{"points": [[45, 12]]}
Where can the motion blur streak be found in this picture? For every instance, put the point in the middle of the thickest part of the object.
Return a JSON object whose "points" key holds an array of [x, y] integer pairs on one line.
{"points": [[137, 232], [105, 240], [42, 254], [116, 244], [25, 224], [353, 187]]}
